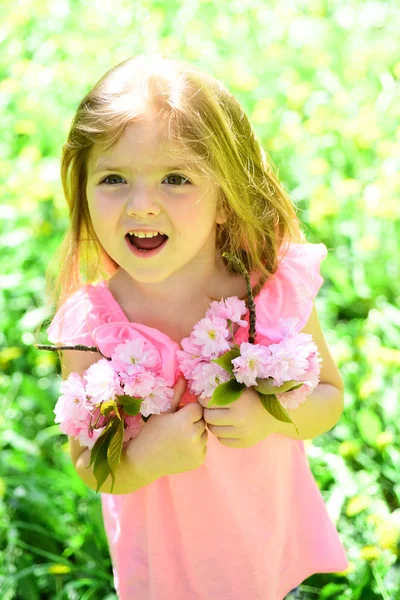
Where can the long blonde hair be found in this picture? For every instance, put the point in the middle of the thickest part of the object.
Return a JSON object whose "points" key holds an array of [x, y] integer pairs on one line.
{"points": [[209, 123]]}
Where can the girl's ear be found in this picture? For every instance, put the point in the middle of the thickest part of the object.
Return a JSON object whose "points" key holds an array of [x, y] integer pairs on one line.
{"points": [[221, 216]]}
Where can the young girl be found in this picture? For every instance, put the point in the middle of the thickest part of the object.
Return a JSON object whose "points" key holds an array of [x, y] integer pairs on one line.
{"points": [[215, 503]]}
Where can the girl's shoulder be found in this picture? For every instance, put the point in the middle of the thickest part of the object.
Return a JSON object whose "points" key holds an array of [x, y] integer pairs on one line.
{"points": [[81, 313], [290, 292]]}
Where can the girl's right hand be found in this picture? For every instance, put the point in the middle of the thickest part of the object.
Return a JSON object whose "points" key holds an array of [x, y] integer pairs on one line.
{"points": [[173, 442]]}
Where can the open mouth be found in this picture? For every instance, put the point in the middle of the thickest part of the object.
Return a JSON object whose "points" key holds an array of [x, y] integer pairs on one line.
{"points": [[145, 245]]}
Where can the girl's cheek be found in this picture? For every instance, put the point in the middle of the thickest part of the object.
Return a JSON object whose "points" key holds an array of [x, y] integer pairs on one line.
{"points": [[105, 203]]}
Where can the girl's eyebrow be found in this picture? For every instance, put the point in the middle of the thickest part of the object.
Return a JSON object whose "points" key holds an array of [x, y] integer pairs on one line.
{"points": [[191, 166]]}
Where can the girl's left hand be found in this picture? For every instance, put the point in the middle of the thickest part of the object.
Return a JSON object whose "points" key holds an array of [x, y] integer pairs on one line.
{"points": [[241, 424]]}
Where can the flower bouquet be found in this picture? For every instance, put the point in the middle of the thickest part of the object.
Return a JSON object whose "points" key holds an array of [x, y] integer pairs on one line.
{"points": [[109, 405], [283, 374]]}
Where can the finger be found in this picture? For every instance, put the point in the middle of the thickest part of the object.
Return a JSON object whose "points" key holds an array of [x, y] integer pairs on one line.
{"points": [[200, 425], [179, 389], [222, 432], [232, 442], [205, 402], [217, 416]]}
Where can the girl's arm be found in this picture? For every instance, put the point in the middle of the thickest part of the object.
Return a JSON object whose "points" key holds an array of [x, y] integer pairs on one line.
{"points": [[323, 408]]}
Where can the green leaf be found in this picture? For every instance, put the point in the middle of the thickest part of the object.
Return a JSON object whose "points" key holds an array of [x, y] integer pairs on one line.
{"points": [[124, 400], [265, 386], [275, 408], [99, 442], [226, 393], [101, 469], [131, 405], [369, 425], [225, 361], [114, 451], [107, 407], [133, 408]]}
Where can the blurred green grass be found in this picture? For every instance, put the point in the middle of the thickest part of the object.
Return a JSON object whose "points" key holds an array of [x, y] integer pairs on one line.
{"points": [[320, 81]]}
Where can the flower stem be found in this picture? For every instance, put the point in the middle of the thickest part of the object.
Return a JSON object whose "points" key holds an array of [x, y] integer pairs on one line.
{"points": [[239, 266], [77, 347], [233, 336]]}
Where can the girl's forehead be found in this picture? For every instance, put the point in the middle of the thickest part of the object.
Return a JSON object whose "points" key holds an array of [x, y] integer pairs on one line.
{"points": [[142, 142]]}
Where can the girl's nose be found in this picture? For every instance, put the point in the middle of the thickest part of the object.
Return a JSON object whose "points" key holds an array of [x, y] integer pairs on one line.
{"points": [[142, 202]]}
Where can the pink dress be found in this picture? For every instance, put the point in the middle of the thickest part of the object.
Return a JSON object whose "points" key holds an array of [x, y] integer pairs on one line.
{"points": [[248, 523]]}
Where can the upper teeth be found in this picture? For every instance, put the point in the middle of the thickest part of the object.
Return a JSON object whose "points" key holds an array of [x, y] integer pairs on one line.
{"points": [[144, 234]]}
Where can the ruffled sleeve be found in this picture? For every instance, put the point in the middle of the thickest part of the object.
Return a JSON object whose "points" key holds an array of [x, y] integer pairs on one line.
{"points": [[79, 316], [70, 324], [291, 290]]}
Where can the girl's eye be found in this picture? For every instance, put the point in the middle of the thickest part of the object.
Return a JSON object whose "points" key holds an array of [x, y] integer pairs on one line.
{"points": [[110, 177], [174, 179]]}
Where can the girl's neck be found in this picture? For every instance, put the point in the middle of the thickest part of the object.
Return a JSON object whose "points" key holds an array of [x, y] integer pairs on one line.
{"points": [[183, 294], [202, 286]]}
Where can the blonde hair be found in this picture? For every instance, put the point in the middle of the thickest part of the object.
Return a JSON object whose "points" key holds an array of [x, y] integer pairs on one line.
{"points": [[210, 124]]}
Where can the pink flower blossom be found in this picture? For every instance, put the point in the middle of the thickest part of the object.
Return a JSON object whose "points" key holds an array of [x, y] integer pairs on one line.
{"points": [[72, 409], [85, 439], [102, 382], [210, 335], [287, 360], [314, 368], [159, 400], [231, 308], [133, 426], [133, 353], [138, 384], [249, 365], [205, 378], [292, 399], [189, 357]]}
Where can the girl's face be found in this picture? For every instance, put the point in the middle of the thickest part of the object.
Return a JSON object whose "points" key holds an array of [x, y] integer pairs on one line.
{"points": [[138, 185]]}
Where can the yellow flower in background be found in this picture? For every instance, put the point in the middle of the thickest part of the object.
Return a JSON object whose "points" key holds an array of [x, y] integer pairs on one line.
{"points": [[323, 203], [370, 552], [388, 536], [2, 488], [318, 166], [375, 519], [350, 569], [386, 148], [380, 199], [386, 355], [298, 94], [369, 385], [349, 449], [59, 569], [357, 504], [384, 439], [25, 126], [9, 86], [396, 70], [368, 243], [348, 187], [9, 354], [263, 111], [386, 529], [31, 154]]}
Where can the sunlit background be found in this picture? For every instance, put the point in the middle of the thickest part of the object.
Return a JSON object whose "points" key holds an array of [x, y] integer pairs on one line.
{"points": [[320, 82]]}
